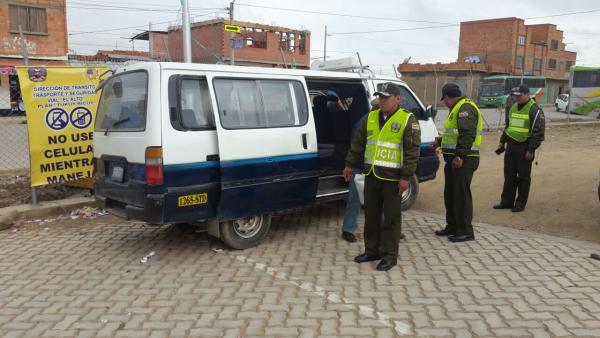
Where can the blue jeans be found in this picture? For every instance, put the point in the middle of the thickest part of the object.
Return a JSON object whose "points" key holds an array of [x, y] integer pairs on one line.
{"points": [[350, 223]]}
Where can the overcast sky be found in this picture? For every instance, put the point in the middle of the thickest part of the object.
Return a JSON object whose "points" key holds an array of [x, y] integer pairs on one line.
{"points": [[379, 50]]}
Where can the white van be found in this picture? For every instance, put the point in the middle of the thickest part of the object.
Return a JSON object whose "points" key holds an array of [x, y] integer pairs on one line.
{"points": [[178, 142]]}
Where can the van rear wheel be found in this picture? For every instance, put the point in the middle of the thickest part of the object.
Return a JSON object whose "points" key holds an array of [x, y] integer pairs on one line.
{"points": [[410, 195], [247, 232]]}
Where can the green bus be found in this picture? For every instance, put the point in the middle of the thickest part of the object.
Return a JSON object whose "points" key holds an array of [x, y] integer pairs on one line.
{"points": [[585, 90], [493, 90]]}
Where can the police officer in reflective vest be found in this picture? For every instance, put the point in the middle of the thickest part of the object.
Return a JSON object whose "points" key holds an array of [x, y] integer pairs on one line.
{"points": [[523, 134], [389, 145], [460, 144]]}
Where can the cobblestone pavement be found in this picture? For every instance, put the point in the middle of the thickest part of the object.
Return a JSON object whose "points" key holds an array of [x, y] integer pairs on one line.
{"points": [[85, 279]]}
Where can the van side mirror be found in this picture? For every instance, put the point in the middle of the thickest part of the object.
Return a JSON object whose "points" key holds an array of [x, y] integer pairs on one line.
{"points": [[430, 111]]}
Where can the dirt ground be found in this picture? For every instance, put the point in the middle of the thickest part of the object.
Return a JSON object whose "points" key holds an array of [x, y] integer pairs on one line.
{"points": [[564, 192], [15, 188]]}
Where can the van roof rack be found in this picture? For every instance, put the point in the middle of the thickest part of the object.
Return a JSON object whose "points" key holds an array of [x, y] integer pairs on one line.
{"points": [[348, 64]]}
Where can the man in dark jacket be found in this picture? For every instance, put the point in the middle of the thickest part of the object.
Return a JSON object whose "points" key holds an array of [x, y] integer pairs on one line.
{"points": [[460, 143], [389, 145], [523, 134]]}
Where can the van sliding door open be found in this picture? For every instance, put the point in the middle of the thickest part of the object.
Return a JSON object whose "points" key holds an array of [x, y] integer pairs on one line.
{"points": [[267, 144]]}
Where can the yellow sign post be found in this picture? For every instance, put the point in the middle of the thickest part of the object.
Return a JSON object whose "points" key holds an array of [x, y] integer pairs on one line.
{"points": [[232, 28], [60, 103]]}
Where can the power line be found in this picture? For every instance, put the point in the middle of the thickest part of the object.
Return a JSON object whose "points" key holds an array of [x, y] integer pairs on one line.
{"points": [[562, 14], [295, 10], [128, 9], [145, 4], [395, 30], [132, 27]]}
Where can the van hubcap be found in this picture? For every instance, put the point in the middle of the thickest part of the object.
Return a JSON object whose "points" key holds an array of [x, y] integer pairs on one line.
{"points": [[248, 227], [406, 194]]}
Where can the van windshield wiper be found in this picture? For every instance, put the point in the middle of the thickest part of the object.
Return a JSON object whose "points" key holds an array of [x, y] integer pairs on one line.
{"points": [[116, 123]]}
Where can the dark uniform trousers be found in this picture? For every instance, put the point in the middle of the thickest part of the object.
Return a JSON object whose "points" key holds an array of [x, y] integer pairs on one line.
{"points": [[517, 174], [457, 195], [382, 238]]}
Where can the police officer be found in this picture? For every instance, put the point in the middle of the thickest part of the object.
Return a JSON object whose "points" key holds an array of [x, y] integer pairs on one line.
{"points": [[523, 134], [460, 144], [389, 145]]}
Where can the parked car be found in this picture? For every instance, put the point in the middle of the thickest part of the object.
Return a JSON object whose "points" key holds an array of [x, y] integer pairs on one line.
{"points": [[561, 103]]}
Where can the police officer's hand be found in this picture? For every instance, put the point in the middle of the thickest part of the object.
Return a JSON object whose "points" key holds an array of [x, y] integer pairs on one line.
{"points": [[529, 155], [347, 173], [433, 145], [457, 163], [403, 185]]}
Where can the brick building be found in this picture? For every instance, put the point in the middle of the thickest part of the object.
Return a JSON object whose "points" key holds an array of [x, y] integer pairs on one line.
{"points": [[505, 46], [44, 27], [259, 45]]}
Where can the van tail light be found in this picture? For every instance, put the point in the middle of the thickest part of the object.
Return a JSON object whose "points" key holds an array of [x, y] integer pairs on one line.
{"points": [[154, 166]]}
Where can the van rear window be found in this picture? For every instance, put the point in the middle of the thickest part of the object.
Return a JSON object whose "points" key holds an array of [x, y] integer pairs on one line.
{"points": [[122, 105]]}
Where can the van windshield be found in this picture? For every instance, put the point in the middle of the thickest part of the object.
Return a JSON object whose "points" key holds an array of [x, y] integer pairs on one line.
{"points": [[122, 105]]}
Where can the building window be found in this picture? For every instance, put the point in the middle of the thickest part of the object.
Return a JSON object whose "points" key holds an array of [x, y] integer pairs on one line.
{"points": [[537, 64], [519, 64], [31, 19], [554, 44], [521, 40], [552, 64]]}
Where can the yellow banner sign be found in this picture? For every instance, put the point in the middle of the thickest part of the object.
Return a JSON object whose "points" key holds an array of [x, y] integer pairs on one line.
{"points": [[60, 104], [232, 28]]}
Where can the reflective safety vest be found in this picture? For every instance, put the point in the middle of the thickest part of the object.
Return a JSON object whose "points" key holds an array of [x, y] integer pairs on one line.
{"points": [[518, 125], [450, 133], [384, 151]]}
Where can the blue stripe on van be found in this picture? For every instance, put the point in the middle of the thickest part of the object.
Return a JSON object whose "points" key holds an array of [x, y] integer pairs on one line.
{"points": [[267, 160]]}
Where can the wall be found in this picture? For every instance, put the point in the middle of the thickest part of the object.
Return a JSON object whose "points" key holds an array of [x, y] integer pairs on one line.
{"points": [[54, 44]]}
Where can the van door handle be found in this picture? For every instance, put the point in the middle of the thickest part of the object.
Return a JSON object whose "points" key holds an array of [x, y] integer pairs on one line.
{"points": [[305, 141], [214, 157]]}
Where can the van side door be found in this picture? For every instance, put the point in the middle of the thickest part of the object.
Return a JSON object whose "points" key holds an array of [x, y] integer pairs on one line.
{"points": [[267, 143]]}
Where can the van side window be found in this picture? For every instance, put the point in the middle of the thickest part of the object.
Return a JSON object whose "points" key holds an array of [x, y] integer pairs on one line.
{"points": [[252, 103], [408, 102], [195, 106], [190, 106]]}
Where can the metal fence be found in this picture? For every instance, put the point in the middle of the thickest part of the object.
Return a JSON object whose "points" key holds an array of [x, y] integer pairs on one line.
{"points": [[15, 182]]}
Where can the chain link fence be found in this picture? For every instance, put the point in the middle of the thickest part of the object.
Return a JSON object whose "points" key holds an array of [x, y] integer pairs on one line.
{"points": [[15, 181]]}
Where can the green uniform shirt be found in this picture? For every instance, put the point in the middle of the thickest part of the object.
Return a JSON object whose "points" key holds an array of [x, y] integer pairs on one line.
{"points": [[467, 128]]}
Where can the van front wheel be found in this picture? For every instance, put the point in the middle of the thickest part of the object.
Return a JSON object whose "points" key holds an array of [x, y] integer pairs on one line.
{"points": [[247, 232], [410, 195]]}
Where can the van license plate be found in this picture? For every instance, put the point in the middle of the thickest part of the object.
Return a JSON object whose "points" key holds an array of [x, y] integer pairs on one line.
{"points": [[117, 173], [187, 200]]}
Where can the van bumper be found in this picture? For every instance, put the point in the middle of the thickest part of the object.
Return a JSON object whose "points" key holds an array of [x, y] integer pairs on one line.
{"points": [[152, 212]]}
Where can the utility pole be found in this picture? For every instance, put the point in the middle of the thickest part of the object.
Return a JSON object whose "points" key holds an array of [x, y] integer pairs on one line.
{"points": [[231, 35], [325, 46], [26, 63], [150, 45], [23, 47], [187, 41]]}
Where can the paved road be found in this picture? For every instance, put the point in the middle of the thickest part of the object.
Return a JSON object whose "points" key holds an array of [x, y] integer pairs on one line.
{"points": [[85, 279]]}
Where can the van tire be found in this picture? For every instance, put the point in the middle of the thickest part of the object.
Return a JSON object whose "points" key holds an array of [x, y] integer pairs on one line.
{"points": [[247, 232], [410, 196]]}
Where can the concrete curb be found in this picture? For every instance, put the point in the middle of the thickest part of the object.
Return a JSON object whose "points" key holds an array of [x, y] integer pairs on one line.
{"points": [[41, 210]]}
